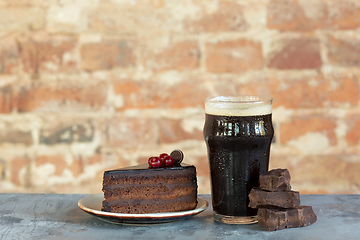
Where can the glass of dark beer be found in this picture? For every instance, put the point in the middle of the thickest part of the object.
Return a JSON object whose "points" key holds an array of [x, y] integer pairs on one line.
{"points": [[238, 132]]}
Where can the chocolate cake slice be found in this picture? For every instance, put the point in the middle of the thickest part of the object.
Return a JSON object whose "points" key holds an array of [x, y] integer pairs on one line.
{"points": [[143, 189]]}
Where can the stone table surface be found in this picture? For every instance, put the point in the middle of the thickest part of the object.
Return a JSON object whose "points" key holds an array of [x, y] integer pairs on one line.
{"points": [[57, 216]]}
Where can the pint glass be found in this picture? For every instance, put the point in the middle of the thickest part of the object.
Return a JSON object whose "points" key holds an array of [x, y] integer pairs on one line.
{"points": [[238, 132]]}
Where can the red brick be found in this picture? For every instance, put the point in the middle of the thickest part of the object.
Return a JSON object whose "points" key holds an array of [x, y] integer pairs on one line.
{"points": [[319, 91], [344, 15], [346, 91], [14, 136], [227, 17], [93, 159], [189, 92], [67, 131], [18, 165], [297, 127], [233, 56], [105, 18], [8, 99], [343, 52], [353, 134], [60, 164], [202, 167], [20, 18], [126, 87], [9, 56], [178, 56], [58, 161], [81, 162], [47, 97], [47, 55], [107, 55], [131, 132], [143, 18], [289, 15], [171, 131], [296, 54], [135, 94]]}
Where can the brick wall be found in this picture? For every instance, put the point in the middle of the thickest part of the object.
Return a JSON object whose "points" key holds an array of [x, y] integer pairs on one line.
{"points": [[90, 85]]}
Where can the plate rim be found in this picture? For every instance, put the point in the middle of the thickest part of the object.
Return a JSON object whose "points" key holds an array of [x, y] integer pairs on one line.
{"points": [[200, 207]]}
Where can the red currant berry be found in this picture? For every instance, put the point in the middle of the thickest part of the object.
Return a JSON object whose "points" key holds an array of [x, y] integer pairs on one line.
{"points": [[163, 155], [168, 161], [155, 162]]}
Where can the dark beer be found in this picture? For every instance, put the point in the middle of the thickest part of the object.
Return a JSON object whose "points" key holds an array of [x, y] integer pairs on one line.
{"points": [[238, 151]]}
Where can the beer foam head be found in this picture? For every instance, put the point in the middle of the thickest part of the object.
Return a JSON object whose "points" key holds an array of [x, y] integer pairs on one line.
{"points": [[238, 105]]}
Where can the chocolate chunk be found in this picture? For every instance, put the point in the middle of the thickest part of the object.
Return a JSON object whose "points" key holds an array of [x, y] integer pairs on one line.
{"points": [[284, 199], [275, 180], [177, 155], [275, 219]]}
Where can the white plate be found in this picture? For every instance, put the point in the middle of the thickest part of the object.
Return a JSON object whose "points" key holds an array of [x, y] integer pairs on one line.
{"points": [[92, 205]]}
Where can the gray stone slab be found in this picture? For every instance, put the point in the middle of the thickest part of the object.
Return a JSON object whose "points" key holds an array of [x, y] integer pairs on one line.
{"points": [[57, 216]]}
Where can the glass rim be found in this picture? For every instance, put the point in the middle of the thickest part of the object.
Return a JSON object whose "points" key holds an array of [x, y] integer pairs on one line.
{"points": [[254, 99]]}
